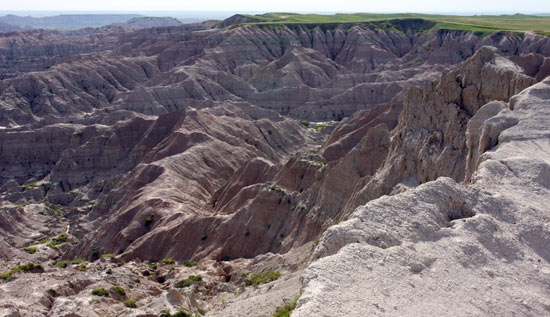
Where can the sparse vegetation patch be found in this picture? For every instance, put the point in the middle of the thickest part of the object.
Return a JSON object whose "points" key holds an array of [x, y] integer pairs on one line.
{"points": [[319, 127], [100, 292], [179, 313], [28, 186], [130, 303], [63, 264], [262, 278], [285, 310], [148, 221], [58, 241], [9, 275], [43, 240], [188, 281], [53, 207], [277, 189], [119, 290]]}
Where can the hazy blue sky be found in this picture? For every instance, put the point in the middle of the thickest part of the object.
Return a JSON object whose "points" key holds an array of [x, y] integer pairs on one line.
{"points": [[471, 6]]}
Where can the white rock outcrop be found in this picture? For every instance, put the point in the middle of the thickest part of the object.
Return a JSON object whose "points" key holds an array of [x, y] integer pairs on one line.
{"points": [[448, 249]]}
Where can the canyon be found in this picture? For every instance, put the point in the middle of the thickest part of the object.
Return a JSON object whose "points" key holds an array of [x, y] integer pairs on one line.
{"points": [[380, 168]]}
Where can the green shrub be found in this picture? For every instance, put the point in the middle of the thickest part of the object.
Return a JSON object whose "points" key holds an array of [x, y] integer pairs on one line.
{"points": [[60, 239], [188, 281], [262, 278], [94, 254], [195, 278], [148, 220], [29, 267], [8, 275], [182, 313], [57, 241], [304, 123], [278, 189], [119, 290], [130, 303], [285, 310], [201, 311], [152, 266], [53, 208], [167, 261], [30, 250], [100, 292], [190, 263], [319, 127], [44, 240], [107, 255], [63, 264], [165, 313], [28, 186], [179, 313], [83, 268]]}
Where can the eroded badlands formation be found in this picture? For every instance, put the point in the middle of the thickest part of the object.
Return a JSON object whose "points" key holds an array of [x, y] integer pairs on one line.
{"points": [[381, 168]]}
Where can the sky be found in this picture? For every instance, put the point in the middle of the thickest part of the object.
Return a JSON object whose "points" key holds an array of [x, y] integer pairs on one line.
{"points": [[420, 6]]}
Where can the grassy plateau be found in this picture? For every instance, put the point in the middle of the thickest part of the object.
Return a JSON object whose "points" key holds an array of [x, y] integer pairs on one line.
{"points": [[479, 23]]}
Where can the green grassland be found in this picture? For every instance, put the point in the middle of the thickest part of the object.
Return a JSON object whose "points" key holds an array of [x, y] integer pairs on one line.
{"points": [[479, 23]]}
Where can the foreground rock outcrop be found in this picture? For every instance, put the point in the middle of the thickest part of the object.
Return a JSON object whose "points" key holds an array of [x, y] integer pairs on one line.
{"points": [[446, 248]]}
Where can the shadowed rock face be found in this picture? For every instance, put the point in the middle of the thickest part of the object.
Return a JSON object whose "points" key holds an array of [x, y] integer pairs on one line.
{"points": [[430, 140], [178, 176], [184, 142]]}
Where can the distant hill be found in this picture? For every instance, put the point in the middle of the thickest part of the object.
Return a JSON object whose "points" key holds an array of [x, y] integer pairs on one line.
{"points": [[5, 27], [67, 21], [239, 19], [151, 22], [191, 20]]}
